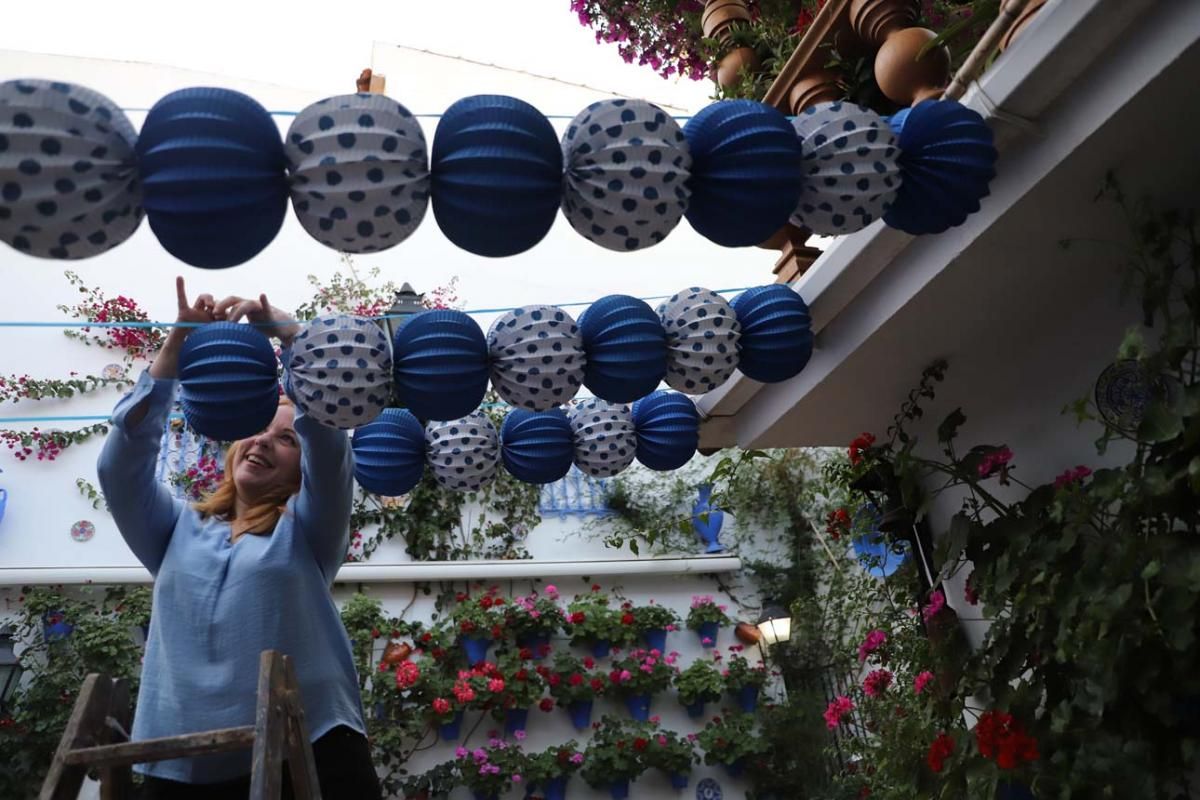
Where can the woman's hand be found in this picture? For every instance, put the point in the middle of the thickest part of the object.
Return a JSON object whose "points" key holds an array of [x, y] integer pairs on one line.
{"points": [[201, 311], [275, 321]]}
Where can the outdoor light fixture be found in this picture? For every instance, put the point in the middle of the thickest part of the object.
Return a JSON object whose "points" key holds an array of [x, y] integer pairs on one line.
{"points": [[406, 303], [10, 671], [775, 624]]}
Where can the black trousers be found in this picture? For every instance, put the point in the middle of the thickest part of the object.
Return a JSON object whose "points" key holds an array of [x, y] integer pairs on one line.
{"points": [[344, 770]]}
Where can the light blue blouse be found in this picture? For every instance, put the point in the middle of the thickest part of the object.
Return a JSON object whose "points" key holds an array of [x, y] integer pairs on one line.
{"points": [[218, 605]]}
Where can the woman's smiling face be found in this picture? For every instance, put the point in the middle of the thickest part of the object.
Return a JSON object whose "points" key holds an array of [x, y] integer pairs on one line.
{"points": [[268, 463]]}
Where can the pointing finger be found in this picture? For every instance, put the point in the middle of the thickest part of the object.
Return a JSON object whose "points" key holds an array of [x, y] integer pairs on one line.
{"points": [[181, 293]]}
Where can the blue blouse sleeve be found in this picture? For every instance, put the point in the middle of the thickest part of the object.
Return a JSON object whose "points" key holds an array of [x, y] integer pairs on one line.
{"points": [[144, 509], [326, 488]]}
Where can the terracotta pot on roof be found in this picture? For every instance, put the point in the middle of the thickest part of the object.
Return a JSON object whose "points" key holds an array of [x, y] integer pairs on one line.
{"points": [[747, 633], [1019, 26], [816, 86], [720, 17], [875, 20], [730, 68], [902, 76]]}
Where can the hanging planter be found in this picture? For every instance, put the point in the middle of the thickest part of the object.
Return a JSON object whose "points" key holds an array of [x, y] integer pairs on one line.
{"points": [[3, 502], [601, 648], [619, 789], [581, 714], [736, 63], [537, 644], [515, 720], [708, 634], [695, 710], [555, 788], [747, 698], [656, 639], [55, 626], [476, 648], [450, 731], [679, 780], [638, 706]]}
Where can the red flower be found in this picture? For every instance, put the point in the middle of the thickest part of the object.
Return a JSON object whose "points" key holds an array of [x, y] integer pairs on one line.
{"points": [[466, 626], [575, 680], [857, 447], [1001, 737], [374, 633], [577, 618], [425, 637], [526, 653], [597, 685], [441, 705], [837, 523], [499, 601], [485, 602], [640, 744], [521, 675], [589, 662], [595, 587], [941, 749], [546, 705], [627, 618], [970, 593], [497, 631]]}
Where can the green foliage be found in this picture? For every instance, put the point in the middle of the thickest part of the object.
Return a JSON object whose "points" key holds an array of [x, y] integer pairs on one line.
{"points": [[554, 762], [91, 493], [731, 739], [613, 753], [599, 622], [705, 610], [699, 682]]}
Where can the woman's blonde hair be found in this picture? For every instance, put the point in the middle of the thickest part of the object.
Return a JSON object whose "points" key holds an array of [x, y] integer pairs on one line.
{"points": [[260, 518]]}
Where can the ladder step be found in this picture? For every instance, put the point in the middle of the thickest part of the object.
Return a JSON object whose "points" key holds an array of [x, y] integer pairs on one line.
{"points": [[190, 744]]}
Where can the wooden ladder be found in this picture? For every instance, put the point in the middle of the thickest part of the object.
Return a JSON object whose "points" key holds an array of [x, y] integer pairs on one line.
{"points": [[96, 736]]}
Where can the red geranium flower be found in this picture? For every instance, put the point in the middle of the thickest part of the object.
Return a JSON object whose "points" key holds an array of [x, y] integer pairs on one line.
{"points": [[546, 704], [941, 749]]}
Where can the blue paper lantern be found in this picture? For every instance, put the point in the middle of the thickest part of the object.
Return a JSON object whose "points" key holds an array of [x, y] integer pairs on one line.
{"points": [[440, 364], [627, 165], [746, 172], [777, 337], [228, 381], [68, 180], [947, 159], [668, 430], [213, 173], [360, 173], [497, 175], [626, 348], [341, 371], [389, 453], [537, 447]]}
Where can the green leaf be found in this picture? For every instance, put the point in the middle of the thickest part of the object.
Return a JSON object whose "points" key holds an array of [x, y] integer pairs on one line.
{"points": [[1194, 473], [1151, 569], [948, 430], [1161, 424]]}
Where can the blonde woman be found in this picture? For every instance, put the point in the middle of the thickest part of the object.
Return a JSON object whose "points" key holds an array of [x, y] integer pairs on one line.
{"points": [[248, 568]]}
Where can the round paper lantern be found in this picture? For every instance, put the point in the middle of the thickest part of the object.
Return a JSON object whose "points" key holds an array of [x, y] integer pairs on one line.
{"points": [[627, 165], [668, 430], [746, 172], [605, 441], [537, 448], [536, 357], [463, 453], [340, 372], [947, 160], [851, 172], [497, 173], [440, 364], [68, 180], [360, 173], [777, 338], [389, 453], [702, 340], [229, 387], [212, 169], [626, 348]]}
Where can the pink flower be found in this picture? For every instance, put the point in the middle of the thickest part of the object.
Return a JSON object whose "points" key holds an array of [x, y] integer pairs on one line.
{"points": [[625, 675], [461, 752], [937, 601], [994, 461], [577, 758], [877, 682], [874, 641], [921, 681], [834, 712], [519, 736], [516, 778], [1072, 476], [656, 719], [662, 741], [706, 640], [671, 628], [551, 590], [496, 685]]}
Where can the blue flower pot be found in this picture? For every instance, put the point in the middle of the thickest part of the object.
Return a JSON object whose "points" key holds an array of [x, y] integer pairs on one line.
{"points": [[679, 780], [639, 707], [736, 769], [656, 639], [601, 648], [695, 710], [449, 731], [709, 630], [55, 626], [619, 790], [1007, 790], [555, 788], [515, 719], [3, 502], [747, 698], [581, 714], [478, 795], [536, 644], [476, 648], [708, 530]]}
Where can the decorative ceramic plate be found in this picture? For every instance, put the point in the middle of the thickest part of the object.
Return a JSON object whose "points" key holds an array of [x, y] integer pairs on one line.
{"points": [[112, 372], [709, 789], [83, 531]]}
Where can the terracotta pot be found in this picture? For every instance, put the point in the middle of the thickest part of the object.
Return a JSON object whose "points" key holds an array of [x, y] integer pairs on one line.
{"points": [[1019, 26], [395, 652], [747, 633], [721, 16], [729, 71], [875, 20], [903, 77], [819, 86]]}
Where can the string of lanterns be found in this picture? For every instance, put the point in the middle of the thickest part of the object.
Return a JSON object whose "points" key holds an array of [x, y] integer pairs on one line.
{"points": [[342, 372], [213, 176]]}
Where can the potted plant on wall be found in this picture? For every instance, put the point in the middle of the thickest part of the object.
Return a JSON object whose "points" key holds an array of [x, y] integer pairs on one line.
{"points": [[489, 771], [592, 622], [615, 756], [480, 621], [513, 687], [575, 685], [653, 622], [744, 680], [549, 771], [700, 683], [639, 676], [706, 618], [731, 741], [534, 619]]}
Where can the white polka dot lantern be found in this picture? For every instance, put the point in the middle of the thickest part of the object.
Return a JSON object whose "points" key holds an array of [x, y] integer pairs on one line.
{"points": [[536, 357], [851, 172], [605, 439], [627, 165], [463, 453], [340, 372], [702, 340], [68, 179], [359, 172]]}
